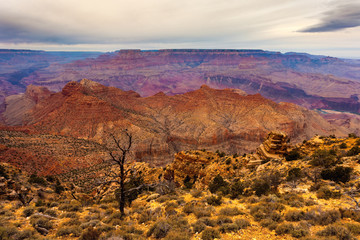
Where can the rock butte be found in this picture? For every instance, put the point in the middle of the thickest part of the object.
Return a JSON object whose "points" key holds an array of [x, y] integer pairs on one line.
{"points": [[163, 125]]}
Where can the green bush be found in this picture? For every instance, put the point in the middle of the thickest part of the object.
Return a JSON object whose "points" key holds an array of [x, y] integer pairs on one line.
{"points": [[268, 210], [187, 182], [69, 215], [300, 231], [294, 174], [323, 158], [3, 172], [229, 227], [269, 223], [343, 145], [90, 234], [219, 184], [38, 180], [28, 211], [222, 220], [198, 226], [320, 217], [354, 228], [196, 193], [293, 155], [353, 151], [236, 189], [174, 235], [325, 193], [51, 212], [210, 234], [340, 232], [230, 211], [261, 187], [242, 223], [41, 222], [159, 229], [200, 212], [70, 207], [350, 213], [214, 200], [208, 222], [66, 230], [284, 228], [295, 216], [339, 174]]}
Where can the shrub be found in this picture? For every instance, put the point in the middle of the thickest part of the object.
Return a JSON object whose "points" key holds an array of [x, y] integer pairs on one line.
{"points": [[284, 228], [350, 213], [8, 232], [323, 217], [242, 223], [218, 184], [198, 226], [71, 222], [89, 224], [339, 174], [208, 222], [3, 172], [323, 158], [51, 212], [159, 229], [230, 211], [58, 187], [294, 174], [222, 220], [28, 211], [295, 216], [338, 231], [90, 234], [214, 200], [188, 208], [353, 151], [173, 235], [354, 228], [41, 222], [38, 180], [343, 145], [260, 187], [300, 231], [209, 234], [65, 230], [200, 212], [196, 193], [325, 193], [293, 155], [70, 207], [267, 210], [268, 223], [236, 189], [187, 182], [69, 215], [229, 227]]}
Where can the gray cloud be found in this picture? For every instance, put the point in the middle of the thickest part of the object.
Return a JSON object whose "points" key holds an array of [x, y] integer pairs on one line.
{"points": [[342, 17]]}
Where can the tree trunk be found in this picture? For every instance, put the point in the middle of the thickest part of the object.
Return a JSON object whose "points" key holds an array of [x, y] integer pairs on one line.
{"points": [[122, 190]]}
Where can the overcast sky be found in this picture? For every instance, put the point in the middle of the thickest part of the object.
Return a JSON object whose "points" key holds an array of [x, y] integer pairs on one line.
{"points": [[316, 26]]}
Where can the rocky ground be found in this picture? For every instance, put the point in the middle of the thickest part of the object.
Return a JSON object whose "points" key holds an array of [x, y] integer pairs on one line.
{"points": [[310, 191]]}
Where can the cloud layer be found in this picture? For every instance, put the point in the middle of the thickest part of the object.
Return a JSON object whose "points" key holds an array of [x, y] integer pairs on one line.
{"points": [[109, 25], [342, 17]]}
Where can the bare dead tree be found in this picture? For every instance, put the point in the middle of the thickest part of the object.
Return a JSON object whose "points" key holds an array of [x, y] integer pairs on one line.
{"points": [[118, 157]]}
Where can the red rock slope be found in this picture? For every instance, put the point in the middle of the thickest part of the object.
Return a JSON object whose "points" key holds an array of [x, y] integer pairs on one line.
{"points": [[162, 125]]}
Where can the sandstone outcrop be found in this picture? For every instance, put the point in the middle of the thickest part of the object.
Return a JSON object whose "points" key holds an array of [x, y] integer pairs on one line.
{"points": [[274, 146]]}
